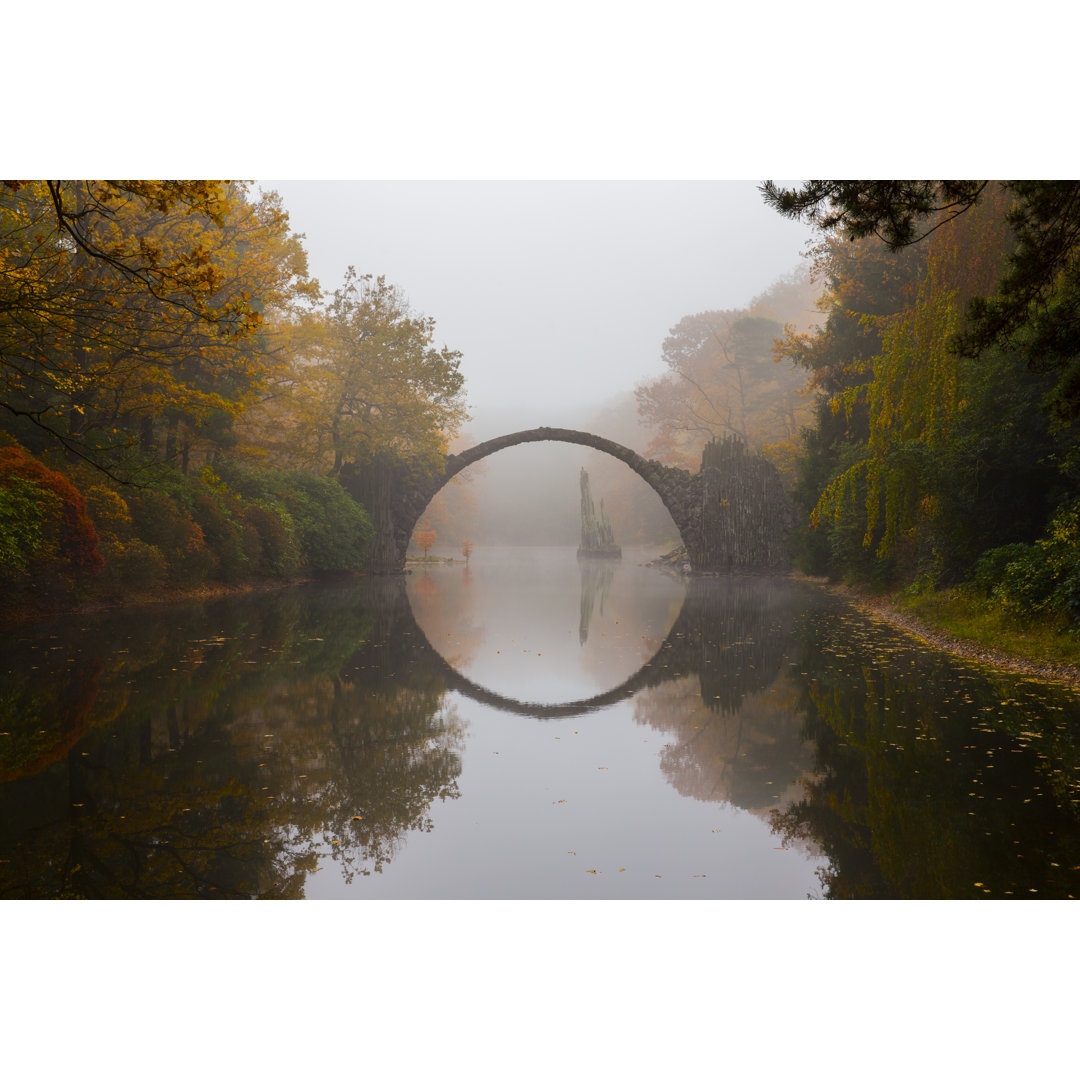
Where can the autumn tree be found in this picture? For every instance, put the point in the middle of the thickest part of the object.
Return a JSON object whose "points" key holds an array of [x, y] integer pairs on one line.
{"points": [[425, 540], [126, 306], [372, 384], [723, 378], [863, 283], [28, 489]]}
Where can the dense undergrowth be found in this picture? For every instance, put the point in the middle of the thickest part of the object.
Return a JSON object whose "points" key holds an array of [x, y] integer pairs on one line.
{"points": [[69, 534]]}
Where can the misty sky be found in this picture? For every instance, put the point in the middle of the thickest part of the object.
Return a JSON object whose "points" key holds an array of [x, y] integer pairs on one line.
{"points": [[559, 294]]}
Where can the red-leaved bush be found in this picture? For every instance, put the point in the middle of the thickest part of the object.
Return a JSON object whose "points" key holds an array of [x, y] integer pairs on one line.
{"points": [[78, 537]]}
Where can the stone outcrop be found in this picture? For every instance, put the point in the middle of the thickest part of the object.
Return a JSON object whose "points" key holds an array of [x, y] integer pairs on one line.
{"points": [[597, 535]]}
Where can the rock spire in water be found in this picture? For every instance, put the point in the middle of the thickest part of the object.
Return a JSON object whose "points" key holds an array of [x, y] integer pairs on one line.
{"points": [[597, 535]]}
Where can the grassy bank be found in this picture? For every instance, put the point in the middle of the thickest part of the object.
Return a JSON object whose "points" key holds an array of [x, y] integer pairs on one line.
{"points": [[963, 614]]}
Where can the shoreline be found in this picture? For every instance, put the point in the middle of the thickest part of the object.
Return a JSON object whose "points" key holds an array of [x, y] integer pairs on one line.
{"points": [[878, 607], [883, 609], [23, 614]]}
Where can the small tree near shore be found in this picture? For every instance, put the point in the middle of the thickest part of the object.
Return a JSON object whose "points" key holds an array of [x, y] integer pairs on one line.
{"points": [[466, 550], [425, 538]]}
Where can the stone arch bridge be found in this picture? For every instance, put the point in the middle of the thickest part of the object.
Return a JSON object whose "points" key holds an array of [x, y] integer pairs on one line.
{"points": [[733, 514]]}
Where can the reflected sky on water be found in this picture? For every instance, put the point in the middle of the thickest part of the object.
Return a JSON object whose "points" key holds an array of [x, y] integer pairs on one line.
{"points": [[527, 726]]}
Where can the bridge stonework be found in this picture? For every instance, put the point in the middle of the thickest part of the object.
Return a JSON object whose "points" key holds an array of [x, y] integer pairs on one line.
{"points": [[733, 515]]}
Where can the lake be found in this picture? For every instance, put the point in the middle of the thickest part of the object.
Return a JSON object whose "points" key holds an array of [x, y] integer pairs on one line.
{"points": [[528, 726]]}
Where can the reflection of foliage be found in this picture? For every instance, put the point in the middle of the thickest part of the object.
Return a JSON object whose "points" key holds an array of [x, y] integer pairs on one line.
{"points": [[919, 753], [227, 746], [735, 633], [60, 701], [736, 734], [751, 757], [398, 755]]}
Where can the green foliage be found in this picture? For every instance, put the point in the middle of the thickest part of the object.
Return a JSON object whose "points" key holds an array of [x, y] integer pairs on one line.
{"points": [[138, 565], [1027, 580], [923, 457], [160, 521], [1043, 248], [893, 210], [332, 529], [230, 526], [990, 569], [222, 534], [22, 514], [1027, 583], [278, 548]]}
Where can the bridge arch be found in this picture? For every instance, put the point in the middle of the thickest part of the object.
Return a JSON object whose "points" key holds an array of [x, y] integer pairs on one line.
{"points": [[732, 515], [674, 486]]}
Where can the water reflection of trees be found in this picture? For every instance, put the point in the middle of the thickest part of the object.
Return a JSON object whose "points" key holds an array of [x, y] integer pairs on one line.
{"points": [[223, 751], [233, 749], [932, 779], [736, 734]]}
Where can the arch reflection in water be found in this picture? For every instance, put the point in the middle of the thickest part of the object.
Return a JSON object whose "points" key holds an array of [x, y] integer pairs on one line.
{"points": [[738, 738], [516, 629], [729, 633]]}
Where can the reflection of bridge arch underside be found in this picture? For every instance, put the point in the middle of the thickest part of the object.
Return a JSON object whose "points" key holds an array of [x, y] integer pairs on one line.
{"points": [[731, 632], [652, 673]]}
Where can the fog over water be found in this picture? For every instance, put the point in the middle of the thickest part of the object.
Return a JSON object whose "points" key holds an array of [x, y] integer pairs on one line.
{"points": [[559, 294]]}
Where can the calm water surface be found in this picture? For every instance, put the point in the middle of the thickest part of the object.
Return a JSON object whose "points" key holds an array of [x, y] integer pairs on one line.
{"points": [[527, 727]]}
